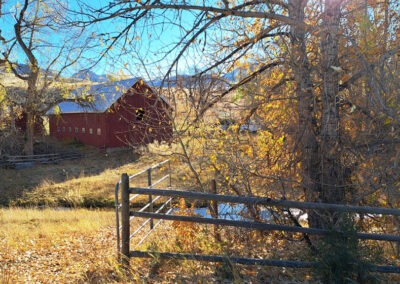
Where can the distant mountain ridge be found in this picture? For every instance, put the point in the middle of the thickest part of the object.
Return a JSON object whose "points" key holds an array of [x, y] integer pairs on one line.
{"points": [[184, 80], [90, 76], [22, 69]]}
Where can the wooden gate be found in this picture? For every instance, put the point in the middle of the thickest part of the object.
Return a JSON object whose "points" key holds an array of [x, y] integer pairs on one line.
{"points": [[123, 227]]}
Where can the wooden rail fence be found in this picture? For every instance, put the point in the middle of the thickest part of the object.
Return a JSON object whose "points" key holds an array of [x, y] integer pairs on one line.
{"points": [[26, 161], [124, 241]]}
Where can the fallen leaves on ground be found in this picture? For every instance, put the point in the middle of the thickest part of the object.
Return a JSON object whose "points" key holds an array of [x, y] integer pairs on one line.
{"points": [[72, 258]]}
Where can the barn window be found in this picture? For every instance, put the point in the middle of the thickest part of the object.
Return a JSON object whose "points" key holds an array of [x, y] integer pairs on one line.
{"points": [[58, 129], [139, 114], [90, 130], [98, 131], [83, 130], [76, 129], [70, 129]]}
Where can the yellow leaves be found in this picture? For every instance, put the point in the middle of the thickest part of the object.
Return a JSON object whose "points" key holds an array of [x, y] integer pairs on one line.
{"points": [[55, 251], [57, 110], [234, 127], [185, 232], [281, 140], [213, 159], [247, 150], [387, 121], [8, 67]]}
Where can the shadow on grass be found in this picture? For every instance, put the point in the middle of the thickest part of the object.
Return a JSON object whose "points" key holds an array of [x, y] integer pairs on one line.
{"points": [[16, 183]]}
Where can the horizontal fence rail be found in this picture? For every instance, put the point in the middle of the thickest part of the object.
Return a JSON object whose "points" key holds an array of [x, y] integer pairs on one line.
{"points": [[267, 201], [250, 261], [260, 226], [249, 224], [218, 258]]}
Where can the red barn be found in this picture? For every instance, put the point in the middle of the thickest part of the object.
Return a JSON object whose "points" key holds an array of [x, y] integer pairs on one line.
{"points": [[123, 113]]}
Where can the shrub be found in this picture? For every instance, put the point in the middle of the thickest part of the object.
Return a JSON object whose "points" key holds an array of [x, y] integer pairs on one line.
{"points": [[341, 258]]}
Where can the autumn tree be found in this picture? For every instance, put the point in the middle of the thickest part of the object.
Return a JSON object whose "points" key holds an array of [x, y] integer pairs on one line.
{"points": [[36, 49], [322, 67], [320, 78]]}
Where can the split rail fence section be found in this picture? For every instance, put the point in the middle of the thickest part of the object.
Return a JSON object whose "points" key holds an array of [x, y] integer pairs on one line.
{"points": [[124, 233], [27, 161]]}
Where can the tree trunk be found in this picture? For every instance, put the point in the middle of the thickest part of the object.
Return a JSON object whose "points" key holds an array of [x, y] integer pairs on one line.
{"points": [[29, 133], [318, 143], [30, 114], [307, 143], [332, 181]]}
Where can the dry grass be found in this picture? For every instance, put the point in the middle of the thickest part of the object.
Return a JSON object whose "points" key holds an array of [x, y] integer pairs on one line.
{"points": [[87, 182], [78, 246], [50, 246]]}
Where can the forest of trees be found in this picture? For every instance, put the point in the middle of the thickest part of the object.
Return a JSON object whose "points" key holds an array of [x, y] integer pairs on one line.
{"points": [[321, 78]]}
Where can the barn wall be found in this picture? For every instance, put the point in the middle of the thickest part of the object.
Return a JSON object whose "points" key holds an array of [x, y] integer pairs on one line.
{"points": [[87, 128], [125, 124]]}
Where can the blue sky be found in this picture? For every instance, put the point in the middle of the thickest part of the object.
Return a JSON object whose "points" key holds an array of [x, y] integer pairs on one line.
{"points": [[145, 55], [147, 46]]}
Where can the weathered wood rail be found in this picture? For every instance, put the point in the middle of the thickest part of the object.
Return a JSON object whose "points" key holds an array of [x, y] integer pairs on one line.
{"points": [[127, 215], [25, 161]]}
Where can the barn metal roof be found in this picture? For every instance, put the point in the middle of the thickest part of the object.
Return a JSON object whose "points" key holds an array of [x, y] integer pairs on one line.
{"points": [[104, 96]]}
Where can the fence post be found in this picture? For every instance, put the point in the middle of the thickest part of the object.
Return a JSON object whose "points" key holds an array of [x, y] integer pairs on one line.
{"points": [[214, 210], [213, 203], [169, 172], [397, 228], [125, 222], [150, 197]]}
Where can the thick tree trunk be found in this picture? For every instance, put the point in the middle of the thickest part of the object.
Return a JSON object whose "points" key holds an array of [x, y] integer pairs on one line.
{"points": [[29, 133], [318, 143], [332, 181], [33, 76], [307, 143], [29, 109]]}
